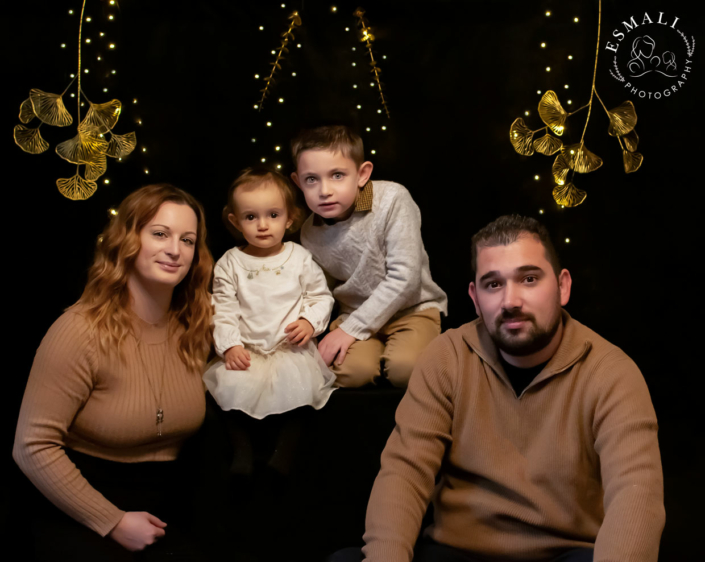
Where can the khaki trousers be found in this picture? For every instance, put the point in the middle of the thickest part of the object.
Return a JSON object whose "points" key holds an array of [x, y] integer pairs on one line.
{"points": [[397, 346]]}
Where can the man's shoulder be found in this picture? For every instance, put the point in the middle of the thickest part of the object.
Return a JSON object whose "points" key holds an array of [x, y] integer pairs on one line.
{"points": [[455, 341]]}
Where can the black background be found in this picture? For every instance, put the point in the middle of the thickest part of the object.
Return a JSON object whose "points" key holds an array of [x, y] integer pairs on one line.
{"points": [[456, 75]]}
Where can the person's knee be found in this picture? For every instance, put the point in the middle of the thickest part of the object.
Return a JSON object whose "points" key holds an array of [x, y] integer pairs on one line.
{"points": [[398, 367], [356, 373]]}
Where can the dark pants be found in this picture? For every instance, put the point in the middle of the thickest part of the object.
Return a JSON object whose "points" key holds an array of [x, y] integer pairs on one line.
{"points": [[155, 487], [429, 551]]}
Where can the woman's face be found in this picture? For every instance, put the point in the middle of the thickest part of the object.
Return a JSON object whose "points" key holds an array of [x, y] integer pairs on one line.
{"points": [[168, 245]]}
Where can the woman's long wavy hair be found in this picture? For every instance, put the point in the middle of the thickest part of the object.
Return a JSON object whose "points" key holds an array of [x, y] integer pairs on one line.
{"points": [[106, 298]]}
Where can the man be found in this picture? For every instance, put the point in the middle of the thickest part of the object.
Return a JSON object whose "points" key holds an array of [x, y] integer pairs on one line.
{"points": [[538, 435]]}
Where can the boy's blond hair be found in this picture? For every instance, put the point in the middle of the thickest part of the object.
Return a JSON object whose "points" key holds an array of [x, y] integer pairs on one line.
{"points": [[332, 137]]}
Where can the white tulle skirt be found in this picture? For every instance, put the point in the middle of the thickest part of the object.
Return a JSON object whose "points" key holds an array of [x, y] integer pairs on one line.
{"points": [[284, 379]]}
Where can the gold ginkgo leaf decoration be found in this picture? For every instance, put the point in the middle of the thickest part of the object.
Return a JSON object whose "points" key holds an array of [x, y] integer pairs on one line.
{"points": [[560, 169], [548, 145], [576, 158], [581, 159], [94, 141], [96, 167], [552, 113], [631, 140], [622, 119], [568, 195], [287, 36], [30, 140], [521, 137], [632, 161], [367, 37], [76, 188], [121, 145], [103, 116], [26, 111], [50, 108], [84, 147]]}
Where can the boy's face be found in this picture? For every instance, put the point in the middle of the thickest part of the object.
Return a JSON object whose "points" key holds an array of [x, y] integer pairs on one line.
{"points": [[330, 182]]}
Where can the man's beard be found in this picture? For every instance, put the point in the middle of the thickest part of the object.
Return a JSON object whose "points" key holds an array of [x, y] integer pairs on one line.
{"points": [[527, 342]]}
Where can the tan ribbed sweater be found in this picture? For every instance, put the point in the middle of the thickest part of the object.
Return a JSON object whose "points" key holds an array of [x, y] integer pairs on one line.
{"points": [[572, 462], [100, 405]]}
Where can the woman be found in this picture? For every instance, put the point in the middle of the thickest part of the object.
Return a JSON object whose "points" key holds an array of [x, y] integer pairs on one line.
{"points": [[115, 388]]}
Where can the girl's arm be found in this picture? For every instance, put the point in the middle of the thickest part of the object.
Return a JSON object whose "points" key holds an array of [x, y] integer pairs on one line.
{"points": [[59, 385], [226, 317], [317, 298]]}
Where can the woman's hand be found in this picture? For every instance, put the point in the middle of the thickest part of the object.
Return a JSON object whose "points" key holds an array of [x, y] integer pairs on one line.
{"points": [[237, 358], [299, 332], [137, 530]]}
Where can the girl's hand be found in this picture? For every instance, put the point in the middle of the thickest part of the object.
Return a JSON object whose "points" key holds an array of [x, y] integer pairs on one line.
{"points": [[137, 530], [237, 358], [335, 346], [299, 331]]}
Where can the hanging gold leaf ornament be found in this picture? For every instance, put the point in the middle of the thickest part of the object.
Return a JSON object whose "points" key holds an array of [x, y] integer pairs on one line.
{"points": [[50, 108], [26, 111], [121, 145], [581, 159], [560, 169], [547, 145], [622, 119], [632, 161], [631, 140], [102, 116], [84, 147], [568, 195], [96, 167], [552, 113], [521, 137], [76, 188], [30, 140]]}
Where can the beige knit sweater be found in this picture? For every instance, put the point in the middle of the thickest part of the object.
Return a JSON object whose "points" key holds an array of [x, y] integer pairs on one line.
{"points": [[100, 405], [572, 462]]}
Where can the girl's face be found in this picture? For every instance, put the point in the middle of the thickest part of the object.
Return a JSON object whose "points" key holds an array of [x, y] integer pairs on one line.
{"points": [[261, 216]]}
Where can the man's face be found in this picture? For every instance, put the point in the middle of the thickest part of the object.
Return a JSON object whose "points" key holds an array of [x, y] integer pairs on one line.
{"points": [[517, 295], [330, 182]]}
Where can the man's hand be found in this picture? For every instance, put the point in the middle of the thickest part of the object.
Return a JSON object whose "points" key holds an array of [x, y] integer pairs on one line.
{"points": [[137, 530], [237, 358], [299, 332], [335, 346]]}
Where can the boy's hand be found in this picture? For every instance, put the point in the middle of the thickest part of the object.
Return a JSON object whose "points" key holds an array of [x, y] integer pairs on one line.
{"points": [[237, 358], [335, 346], [299, 331]]}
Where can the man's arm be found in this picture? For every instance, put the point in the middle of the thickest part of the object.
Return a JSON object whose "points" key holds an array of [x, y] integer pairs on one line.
{"points": [[625, 431], [412, 457]]}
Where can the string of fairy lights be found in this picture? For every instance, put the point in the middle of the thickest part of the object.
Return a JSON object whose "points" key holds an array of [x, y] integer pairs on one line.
{"points": [[364, 35], [98, 43], [544, 47]]}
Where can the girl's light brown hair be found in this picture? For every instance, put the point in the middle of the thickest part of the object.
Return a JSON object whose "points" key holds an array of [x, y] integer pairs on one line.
{"points": [[253, 178], [106, 298]]}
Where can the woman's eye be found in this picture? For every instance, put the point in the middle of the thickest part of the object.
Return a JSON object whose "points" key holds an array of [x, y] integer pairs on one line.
{"points": [[189, 241], [160, 234]]}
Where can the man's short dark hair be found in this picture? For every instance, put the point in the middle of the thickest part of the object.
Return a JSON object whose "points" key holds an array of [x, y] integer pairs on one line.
{"points": [[506, 230]]}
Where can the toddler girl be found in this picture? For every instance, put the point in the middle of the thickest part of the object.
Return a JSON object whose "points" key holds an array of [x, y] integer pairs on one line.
{"points": [[270, 300]]}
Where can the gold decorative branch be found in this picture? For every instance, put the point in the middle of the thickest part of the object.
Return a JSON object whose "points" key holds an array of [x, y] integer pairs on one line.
{"points": [[368, 38], [286, 37], [576, 157], [89, 148]]}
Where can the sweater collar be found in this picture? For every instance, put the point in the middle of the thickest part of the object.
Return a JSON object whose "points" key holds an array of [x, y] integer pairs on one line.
{"points": [[363, 202], [574, 345]]}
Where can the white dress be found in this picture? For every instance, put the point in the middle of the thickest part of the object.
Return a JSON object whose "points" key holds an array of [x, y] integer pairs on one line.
{"points": [[254, 300]]}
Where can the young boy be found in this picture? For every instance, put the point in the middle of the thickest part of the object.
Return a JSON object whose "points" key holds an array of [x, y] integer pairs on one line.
{"points": [[367, 237]]}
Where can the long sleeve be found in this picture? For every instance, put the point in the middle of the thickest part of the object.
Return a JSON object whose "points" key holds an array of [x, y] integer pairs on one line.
{"points": [[60, 383], [412, 457], [226, 317], [317, 298], [403, 264], [625, 430]]}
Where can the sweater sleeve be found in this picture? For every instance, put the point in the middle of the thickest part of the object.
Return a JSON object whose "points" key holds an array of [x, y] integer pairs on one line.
{"points": [[625, 431], [412, 457], [226, 316], [403, 262], [60, 383], [317, 299]]}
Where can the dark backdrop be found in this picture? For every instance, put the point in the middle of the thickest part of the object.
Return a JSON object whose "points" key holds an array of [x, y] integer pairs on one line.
{"points": [[456, 75]]}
